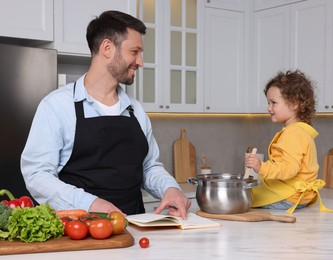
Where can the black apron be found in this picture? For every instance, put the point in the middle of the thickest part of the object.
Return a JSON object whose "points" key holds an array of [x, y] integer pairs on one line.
{"points": [[107, 159]]}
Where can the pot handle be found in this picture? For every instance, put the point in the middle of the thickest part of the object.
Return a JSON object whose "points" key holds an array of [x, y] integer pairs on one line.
{"points": [[192, 180], [249, 185]]}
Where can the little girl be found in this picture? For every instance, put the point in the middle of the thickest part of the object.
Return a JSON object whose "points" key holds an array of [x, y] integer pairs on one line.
{"points": [[289, 177]]}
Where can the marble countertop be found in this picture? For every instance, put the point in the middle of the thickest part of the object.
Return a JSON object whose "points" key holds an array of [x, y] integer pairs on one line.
{"points": [[311, 237]]}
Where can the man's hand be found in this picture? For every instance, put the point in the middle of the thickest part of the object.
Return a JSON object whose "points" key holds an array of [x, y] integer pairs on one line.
{"points": [[101, 205], [177, 203]]}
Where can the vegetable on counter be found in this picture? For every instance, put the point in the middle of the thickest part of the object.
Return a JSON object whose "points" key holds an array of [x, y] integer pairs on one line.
{"points": [[74, 214], [144, 242], [35, 224], [5, 213], [13, 202], [79, 223]]}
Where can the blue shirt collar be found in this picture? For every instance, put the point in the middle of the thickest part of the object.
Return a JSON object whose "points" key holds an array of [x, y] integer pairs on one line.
{"points": [[81, 93]]}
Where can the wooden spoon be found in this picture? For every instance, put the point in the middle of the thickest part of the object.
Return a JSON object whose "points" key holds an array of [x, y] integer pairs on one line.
{"points": [[247, 170]]}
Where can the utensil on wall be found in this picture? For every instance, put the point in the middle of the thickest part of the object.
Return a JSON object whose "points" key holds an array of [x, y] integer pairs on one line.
{"points": [[247, 170], [204, 168], [327, 169], [184, 158]]}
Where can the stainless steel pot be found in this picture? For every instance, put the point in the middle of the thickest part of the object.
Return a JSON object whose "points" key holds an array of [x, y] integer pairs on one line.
{"points": [[223, 193]]}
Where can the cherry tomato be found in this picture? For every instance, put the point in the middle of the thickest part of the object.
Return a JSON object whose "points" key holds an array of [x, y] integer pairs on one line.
{"points": [[118, 222], [76, 230], [144, 242], [100, 228]]}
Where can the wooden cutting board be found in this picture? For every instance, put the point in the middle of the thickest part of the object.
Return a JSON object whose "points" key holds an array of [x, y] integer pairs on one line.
{"points": [[184, 156], [327, 169], [250, 216], [124, 239]]}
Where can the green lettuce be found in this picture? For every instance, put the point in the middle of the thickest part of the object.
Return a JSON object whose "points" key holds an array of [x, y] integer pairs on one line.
{"points": [[35, 224]]}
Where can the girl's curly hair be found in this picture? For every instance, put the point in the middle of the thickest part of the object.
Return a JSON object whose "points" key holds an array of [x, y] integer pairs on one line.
{"points": [[296, 88]]}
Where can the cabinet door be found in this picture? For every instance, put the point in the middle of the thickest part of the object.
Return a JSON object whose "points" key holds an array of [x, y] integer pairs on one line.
{"points": [[235, 5], [271, 51], [312, 43], [265, 4], [224, 61], [72, 18], [171, 79], [27, 19]]}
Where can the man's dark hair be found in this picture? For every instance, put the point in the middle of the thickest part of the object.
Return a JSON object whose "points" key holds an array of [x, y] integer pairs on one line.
{"points": [[111, 25]]}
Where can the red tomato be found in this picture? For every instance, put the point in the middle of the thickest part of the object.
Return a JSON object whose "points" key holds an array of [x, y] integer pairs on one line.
{"points": [[118, 221], [100, 228], [144, 242], [76, 230], [89, 218], [65, 221]]}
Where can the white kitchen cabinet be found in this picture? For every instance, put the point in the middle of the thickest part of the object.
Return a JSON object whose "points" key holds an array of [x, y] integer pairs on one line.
{"points": [[27, 19], [172, 77], [296, 36], [312, 46], [271, 51], [224, 61], [235, 5], [71, 18], [265, 4]]}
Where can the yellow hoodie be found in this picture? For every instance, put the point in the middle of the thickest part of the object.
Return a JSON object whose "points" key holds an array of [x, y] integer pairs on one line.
{"points": [[292, 162]]}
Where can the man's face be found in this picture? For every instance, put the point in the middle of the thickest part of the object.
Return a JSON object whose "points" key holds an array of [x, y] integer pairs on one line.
{"points": [[127, 58]]}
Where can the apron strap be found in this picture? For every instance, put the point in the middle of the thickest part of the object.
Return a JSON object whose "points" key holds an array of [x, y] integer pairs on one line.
{"points": [[304, 187], [130, 110]]}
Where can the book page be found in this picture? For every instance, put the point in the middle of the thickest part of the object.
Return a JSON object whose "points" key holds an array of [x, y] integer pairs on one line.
{"points": [[150, 219], [195, 221], [154, 220]]}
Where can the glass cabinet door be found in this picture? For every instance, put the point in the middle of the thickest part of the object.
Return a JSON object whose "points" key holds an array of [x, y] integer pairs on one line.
{"points": [[170, 80]]}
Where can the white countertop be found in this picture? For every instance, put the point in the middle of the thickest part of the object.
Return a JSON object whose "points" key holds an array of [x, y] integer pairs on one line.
{"points": [[311, 237]]}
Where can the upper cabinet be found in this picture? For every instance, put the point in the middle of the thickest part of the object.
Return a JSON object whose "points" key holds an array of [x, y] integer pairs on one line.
{"points": [[235, 5], [71, 18], [265, 4], [27, 19], [271, 51], [224, 60], [296, 36], [172, 77], [212, 56], [312, 46]]}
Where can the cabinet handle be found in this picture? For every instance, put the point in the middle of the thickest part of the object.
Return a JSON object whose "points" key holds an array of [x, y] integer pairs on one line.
{"points": [[208, 1], [167, 107], [161, 106], [208, 108], [327, 107]]}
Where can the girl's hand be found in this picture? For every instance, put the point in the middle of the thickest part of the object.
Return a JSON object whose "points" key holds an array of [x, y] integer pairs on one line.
{"points": [[253, 161]]}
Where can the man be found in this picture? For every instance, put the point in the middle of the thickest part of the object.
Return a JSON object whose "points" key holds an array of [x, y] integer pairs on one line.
{"points": [[90, 145]]}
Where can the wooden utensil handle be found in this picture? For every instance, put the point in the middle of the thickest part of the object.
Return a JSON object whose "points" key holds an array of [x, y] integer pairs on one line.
{"points": [[247, 171], [286, 219]]}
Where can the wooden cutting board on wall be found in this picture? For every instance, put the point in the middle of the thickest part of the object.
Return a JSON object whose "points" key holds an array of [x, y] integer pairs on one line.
{"points": [[184, 156], [327, 169]]}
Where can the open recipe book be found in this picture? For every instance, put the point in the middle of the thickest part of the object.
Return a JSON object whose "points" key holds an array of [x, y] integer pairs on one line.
{"points": [[158, 220]]}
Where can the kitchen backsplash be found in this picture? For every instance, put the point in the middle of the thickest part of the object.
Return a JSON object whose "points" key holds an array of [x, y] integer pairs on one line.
{"points": [[224, 139]]}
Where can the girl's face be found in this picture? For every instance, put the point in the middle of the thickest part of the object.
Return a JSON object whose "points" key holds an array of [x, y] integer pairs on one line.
{"points": [[280, 110]]}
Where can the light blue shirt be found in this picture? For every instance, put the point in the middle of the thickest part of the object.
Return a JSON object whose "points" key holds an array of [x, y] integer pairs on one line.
{"points": [[50, 143]]}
